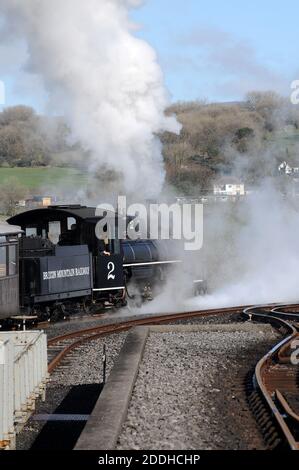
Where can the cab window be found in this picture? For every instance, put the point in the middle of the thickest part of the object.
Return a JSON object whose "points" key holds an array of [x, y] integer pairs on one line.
{"points": [[12, 260], [31, 231], [54, 232], [3, 270]]}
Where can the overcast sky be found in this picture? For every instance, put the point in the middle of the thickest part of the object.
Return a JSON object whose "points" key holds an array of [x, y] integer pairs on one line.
{"points": [[216, 50]]}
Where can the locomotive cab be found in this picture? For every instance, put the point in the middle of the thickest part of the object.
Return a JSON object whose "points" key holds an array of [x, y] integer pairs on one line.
{"points": [[64, 265]]}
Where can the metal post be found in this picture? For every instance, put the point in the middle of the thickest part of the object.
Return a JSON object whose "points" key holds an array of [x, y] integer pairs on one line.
{"points": [[104, 364]]}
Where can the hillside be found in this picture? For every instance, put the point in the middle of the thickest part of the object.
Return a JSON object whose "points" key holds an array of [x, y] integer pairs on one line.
{"points": [[246, 139]]}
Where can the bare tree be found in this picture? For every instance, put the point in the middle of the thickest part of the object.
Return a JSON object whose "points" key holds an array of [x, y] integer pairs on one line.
{"points": [[266, 104], [11, 192]]}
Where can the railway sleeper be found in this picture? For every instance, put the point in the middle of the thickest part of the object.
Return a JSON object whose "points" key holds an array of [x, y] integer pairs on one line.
{"points": [[275, 444], [266, 421], [254, 397], [257, 406], [256, 403], [262, 415], [268, 434], [268, 427], [258, 412], [272, 437]]}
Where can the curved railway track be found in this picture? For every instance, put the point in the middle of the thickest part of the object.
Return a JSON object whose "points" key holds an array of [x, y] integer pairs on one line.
{"points": [[274, 390], [61, 346]]}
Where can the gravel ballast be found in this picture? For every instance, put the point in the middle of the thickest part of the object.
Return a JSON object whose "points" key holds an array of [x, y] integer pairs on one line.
{"points": [[189, 393], [84, 366], [85, 322]]}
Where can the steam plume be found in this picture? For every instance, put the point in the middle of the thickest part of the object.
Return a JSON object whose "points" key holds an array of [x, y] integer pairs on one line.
{"points": [[105, 81]]}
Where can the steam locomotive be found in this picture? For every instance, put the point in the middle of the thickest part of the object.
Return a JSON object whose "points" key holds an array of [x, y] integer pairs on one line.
{"points": [[64, 267]]}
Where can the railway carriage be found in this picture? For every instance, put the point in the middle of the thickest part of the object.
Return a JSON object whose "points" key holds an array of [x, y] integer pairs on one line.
{"points": [[9, 270]]}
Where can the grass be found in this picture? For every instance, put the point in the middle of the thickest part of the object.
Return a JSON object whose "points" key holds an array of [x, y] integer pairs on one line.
{"points": [[48, 179], [286, 138], [45, 177]]}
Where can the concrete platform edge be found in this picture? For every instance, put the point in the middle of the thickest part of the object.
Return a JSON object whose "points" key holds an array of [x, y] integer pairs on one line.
{"points": [[104, 425]]}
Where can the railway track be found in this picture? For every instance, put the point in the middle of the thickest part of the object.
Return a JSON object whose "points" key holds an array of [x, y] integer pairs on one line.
{"points": [[274, 389], [60, 346]]}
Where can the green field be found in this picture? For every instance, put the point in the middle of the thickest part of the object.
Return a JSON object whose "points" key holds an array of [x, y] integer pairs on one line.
{"points": [[286, 140], [45, 177]]}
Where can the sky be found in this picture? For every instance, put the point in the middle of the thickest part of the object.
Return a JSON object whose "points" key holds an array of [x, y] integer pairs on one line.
{"points": [[216, 50], [219, 50]]}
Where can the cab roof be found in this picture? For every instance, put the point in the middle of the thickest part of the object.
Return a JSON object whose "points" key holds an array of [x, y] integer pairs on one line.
{"points": [[6, 229], [56, 213]]}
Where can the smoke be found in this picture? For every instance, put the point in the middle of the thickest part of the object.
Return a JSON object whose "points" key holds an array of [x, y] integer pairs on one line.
{"points": [[250, 256], [106, 83], [252, 253]]}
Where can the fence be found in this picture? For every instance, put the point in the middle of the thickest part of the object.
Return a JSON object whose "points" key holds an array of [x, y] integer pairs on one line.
{"points": [[23, 377]]}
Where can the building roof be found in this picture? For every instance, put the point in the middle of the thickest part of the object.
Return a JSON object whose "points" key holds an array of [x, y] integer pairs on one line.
{"points": [[228, 180], [6, 229]]}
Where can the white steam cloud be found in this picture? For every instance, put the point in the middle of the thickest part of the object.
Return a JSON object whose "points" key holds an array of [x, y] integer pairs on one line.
{"points": [[106, 82], [250, 255]]}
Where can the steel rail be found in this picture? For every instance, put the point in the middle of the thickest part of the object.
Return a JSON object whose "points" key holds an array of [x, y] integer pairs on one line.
{"points": [[276, 402], [82, 336], [89, 334]]}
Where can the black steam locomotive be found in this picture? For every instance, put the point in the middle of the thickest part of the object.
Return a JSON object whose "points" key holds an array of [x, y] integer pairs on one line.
{"points": [[65, 268]]}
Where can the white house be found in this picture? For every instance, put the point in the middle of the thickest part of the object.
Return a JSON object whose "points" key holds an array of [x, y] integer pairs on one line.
{"points": [[229, 186], [284, 167]]}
